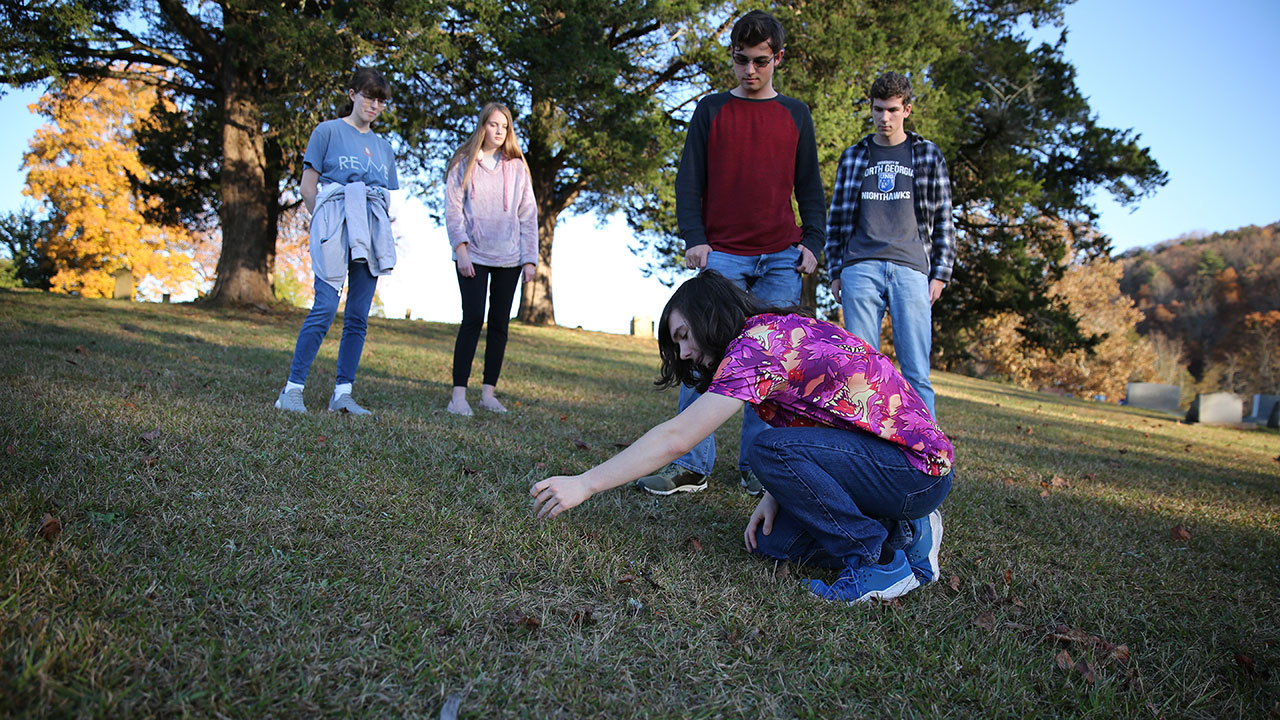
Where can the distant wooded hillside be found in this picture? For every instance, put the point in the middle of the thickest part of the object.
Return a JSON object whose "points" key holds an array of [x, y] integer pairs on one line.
{"points": [[1212, 306]]}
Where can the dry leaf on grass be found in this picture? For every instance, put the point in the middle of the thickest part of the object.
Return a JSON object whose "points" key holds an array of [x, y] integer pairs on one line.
{"points": [[49, 528], [150, 460], [1246, 665], [694, 544], [954, 583], [1180, 533], [151, 435], [628, 578], [1064, 660], [986, 621], [583, 617], [1084, 668], [516, 616], [581, 445], [10, 450], [1008, 577]]}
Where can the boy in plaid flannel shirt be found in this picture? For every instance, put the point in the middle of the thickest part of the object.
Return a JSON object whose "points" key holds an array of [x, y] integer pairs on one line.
{"points": [[890, 239]]}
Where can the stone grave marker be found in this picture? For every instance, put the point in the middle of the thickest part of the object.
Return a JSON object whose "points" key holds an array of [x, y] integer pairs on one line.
{"points": [[1262, 405], [1221, 408], [1153, 396]]}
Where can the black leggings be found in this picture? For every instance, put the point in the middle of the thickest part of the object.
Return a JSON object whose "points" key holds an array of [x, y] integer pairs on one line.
{"points": [[502, 290]]}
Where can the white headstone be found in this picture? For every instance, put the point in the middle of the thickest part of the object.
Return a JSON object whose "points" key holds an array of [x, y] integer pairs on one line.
{"points": [[642, 325], [1221, 408], [1153, 396]]}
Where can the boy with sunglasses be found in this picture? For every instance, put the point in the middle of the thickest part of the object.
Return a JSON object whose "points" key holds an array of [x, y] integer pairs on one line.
{"points": [[747, 152]]}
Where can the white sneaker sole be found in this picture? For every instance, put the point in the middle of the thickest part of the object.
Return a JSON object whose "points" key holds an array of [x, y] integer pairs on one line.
{"points": [[898, 589], [935, 527], [673, 491]]}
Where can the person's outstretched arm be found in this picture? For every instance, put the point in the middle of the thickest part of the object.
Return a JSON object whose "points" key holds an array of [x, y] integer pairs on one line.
{"points": [[661, 445]]}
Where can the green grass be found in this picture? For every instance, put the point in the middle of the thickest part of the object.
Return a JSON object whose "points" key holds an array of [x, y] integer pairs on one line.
{"points": [[247, 563]]}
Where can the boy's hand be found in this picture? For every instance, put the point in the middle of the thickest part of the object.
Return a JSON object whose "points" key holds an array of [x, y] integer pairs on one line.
{"points": [[557, 494], [695, 258], [808, 262], [762, 518], [529, 269], [835, 289], [935, 290]]}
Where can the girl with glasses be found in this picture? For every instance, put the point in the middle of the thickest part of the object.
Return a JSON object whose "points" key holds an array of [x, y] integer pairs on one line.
{"points": [[348, 173], [492, 221]]}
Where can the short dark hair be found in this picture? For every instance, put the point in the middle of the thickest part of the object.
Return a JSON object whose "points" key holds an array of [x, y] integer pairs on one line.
{"points": [[369, 83], [756, 27], [716, 310], [891, 85]]}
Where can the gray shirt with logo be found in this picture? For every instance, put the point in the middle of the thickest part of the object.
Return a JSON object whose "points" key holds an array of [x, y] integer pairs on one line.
{"points": [[887, 228]]}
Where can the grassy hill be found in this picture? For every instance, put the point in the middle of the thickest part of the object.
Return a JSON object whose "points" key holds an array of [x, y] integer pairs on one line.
{"points": [[208, 555]]}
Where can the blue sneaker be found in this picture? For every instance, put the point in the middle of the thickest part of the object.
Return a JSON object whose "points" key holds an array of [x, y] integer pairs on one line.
{"points": [[868, 582], [922, 554]]}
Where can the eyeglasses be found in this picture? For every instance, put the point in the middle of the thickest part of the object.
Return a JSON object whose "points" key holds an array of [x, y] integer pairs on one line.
{"points": [[760, 61], [384, 102]]}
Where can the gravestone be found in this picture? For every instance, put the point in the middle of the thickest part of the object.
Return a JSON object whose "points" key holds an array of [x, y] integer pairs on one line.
{"points": [[124, 284], [1262, 405], [642, 325], [1221, 408], [1153, 396], [1273, 420]]}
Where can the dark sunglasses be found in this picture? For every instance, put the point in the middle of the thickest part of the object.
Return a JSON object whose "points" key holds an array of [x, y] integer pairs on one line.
{"points": [[760, 61]]}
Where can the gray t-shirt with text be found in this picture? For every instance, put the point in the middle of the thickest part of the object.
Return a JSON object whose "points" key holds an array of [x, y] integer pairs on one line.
{"points": [[343, 154], [887, 228]]}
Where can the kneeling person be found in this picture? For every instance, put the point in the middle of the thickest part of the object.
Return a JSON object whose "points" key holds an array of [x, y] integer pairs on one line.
{"points": [[854, 466]]}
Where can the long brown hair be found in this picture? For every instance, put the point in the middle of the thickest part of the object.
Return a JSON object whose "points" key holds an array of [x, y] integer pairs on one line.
{"points": [[716, 310], [470, 149]]}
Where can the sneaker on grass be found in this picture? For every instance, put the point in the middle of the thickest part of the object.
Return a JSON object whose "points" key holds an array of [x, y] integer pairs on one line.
{"points": [[922, 554], [868, 582], [672, 479], [751, 483], [344, 404], [291, 400]]}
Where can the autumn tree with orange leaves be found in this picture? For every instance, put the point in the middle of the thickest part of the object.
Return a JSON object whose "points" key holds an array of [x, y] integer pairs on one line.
{"points": [[1092, 292], [82, 166]]}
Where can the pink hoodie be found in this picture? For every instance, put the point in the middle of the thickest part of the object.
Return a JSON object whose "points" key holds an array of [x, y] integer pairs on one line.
{"points": [[498, 219]]}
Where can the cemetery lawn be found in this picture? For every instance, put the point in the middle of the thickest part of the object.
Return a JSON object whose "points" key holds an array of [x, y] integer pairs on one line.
{"points": [[173, 545]]}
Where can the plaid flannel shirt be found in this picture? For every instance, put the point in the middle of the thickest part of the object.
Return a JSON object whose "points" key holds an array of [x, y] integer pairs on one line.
{"points": [[931, 197]]}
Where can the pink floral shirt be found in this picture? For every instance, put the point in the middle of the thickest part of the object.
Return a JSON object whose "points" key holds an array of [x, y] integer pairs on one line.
{"points": [[797, 371]]}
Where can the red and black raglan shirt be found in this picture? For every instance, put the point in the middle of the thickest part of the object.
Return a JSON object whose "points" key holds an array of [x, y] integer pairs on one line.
{"points": [[742, 161]]}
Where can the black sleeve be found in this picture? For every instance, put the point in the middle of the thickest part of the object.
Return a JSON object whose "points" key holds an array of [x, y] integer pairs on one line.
{"points": [[691, 177], [810, 196]]}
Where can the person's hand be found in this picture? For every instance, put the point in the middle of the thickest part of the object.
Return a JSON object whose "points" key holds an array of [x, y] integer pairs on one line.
{"points": [[465, 268], [557, 494], [529, 269], [695, 258], [808, 261], [935, 290], [761, 518], [835, 289]]}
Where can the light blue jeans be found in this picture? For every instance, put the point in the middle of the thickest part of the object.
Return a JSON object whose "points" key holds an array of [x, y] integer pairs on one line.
{"points": [[866, 288], [355, 322], [773, 279]]}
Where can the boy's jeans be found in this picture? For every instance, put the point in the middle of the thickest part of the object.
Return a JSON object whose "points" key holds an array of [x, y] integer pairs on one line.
{"points": [[355, 321], [773, 279], [842, 495], [866, 287]]}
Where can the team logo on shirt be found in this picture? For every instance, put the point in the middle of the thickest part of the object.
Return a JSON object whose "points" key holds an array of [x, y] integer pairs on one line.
{"points": [[885, 178]]}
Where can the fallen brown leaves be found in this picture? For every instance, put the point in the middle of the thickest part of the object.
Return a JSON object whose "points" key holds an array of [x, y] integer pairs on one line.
{"points": [[49, 527], [151, 435], [1180, 533], [520, 618], [1056, 482], [1103, 652]]}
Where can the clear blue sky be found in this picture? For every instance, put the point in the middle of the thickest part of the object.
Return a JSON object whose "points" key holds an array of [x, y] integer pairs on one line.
{"points": [[1199, 81]]}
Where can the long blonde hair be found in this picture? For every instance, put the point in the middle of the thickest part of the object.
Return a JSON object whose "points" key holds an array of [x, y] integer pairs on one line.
{"points": [[470, 150]]}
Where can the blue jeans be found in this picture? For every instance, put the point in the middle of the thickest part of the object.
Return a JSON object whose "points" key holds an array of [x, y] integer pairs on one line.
{"points": [[843, 495], [773, 279], [355, 321], [866, 287]]}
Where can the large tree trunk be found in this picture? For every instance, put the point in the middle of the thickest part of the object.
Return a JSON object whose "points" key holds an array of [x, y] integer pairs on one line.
{"points": [[248, 233], [536, 306]]}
